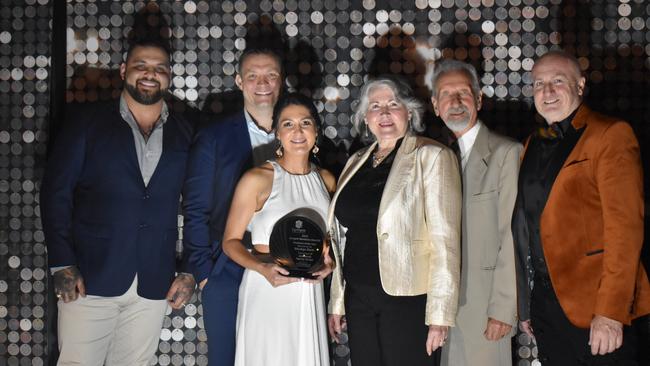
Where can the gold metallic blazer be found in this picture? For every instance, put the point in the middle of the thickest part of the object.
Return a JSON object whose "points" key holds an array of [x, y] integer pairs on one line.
{"points": [[418, 228]]}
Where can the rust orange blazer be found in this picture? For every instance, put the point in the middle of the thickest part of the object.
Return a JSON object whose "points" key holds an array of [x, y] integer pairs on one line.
{"points": [[591, 227]]}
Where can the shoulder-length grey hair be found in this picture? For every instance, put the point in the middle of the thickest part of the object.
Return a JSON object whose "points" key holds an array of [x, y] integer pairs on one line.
{"points": [[403, 95]]}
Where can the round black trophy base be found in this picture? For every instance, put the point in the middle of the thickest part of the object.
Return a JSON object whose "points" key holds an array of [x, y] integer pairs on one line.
{"points": [[297, 242], [300, 274]]}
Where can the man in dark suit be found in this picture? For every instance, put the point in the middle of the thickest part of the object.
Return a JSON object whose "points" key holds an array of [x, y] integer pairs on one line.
{"points": [[110, 200], [222, 151], [578, 226]]}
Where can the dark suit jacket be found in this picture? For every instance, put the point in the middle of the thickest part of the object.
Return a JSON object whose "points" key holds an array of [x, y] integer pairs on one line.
{"points": [[591, 227], [221, 153], [97, 212]]}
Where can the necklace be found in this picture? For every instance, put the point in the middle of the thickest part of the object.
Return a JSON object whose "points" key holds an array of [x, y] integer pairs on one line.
{"points": [[377, 158]]}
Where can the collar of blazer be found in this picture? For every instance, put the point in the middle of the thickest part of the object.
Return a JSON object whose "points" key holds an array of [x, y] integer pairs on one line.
{"points": [[580, 120], [481, 147], [582, 117], [358, 159], [477, 161]]}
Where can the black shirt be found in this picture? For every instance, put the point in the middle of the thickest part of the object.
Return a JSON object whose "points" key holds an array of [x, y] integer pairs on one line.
{"points": [[542, 163], [357, 209]]}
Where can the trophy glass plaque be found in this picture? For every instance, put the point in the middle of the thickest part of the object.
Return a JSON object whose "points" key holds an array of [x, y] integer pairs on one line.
{"points": [[296, 242]]}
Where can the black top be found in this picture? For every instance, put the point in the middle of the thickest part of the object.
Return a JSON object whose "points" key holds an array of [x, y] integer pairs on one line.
{"points": [[542, 163], [357, 209]]}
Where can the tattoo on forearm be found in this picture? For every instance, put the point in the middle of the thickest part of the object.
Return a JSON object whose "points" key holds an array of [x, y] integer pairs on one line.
{"points": [[65, 280], [186, 287]]}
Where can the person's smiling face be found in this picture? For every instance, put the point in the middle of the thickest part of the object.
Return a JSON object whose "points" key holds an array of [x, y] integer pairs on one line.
{"points": [[296, 130], [557, 88], [260, 81], [146, 74], [455, 102], [387, 118]]}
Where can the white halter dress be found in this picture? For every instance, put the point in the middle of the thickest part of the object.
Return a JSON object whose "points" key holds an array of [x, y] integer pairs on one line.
{"points": [[285, 325]]}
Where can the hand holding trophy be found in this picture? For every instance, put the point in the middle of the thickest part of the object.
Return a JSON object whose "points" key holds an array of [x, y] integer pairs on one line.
{"points": [[297, 242]]}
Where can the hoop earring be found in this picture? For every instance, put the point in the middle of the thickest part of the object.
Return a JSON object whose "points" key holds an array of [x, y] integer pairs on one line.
{"points": [[315, 150], [279, 152]]}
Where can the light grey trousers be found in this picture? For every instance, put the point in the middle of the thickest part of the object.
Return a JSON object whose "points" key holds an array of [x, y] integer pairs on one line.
{"points": [[120, 330]]}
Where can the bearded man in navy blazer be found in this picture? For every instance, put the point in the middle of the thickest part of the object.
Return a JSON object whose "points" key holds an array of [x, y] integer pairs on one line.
{"points": [[110, 200], [222, 151]]}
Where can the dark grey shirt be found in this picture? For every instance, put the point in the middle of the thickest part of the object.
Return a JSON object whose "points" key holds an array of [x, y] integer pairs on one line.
{"points": [[148, 149]]}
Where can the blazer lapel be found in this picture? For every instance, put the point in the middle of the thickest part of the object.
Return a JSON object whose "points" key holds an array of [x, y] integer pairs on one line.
{"points": [[399, 172], [569, 150], [477, 163], [126, 137], [579, 122], [169, 134], [242, 140]]}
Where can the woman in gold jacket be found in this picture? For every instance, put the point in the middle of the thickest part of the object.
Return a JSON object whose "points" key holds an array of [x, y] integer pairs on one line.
{"points": [[394, 223]]}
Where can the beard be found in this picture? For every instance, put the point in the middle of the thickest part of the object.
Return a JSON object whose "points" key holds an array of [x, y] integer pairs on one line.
{"points": [[146, 98], [458, 125]]}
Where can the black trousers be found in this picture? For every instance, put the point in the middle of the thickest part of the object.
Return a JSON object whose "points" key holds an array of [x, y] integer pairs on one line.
{"points": [[386, 330], [560, 343]]}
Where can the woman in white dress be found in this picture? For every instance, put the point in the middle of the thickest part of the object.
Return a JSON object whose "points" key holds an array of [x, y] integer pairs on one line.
{"points": [[280, 320]]}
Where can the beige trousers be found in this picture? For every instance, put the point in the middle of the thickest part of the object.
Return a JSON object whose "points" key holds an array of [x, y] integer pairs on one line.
{"points": [[121, 330]]}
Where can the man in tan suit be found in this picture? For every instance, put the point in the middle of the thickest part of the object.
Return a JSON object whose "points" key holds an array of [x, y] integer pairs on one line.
{"points": [[489, 165], [578, 226]]}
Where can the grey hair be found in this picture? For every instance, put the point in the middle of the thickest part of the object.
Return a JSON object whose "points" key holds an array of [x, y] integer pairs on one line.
{"points": [[403, 95], [449, 65]]}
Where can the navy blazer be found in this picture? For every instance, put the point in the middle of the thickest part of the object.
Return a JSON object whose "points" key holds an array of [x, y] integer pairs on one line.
{"points": [[221, 153], [98, 214]]}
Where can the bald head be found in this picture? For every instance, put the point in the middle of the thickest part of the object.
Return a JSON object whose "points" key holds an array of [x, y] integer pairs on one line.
{"points": [[558, 55], [558, 85]]}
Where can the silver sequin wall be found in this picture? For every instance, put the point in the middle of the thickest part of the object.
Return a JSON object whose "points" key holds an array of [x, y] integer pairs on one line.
{"points": [[333, 46], [24, 112]]}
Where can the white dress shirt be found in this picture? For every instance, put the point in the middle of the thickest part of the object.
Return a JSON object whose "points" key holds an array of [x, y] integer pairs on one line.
{"points": [[466, 142], [262, 142]]}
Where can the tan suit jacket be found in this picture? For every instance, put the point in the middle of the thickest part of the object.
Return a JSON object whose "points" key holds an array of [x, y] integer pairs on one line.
{"points": [[488, 282], [418, 228], [592, 227]]}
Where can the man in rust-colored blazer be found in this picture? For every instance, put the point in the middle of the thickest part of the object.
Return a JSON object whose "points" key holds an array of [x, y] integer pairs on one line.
{"points": [[578, 227]]}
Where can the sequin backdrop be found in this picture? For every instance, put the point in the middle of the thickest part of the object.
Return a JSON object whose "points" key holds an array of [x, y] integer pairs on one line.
{"points": [[332, 46]]}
